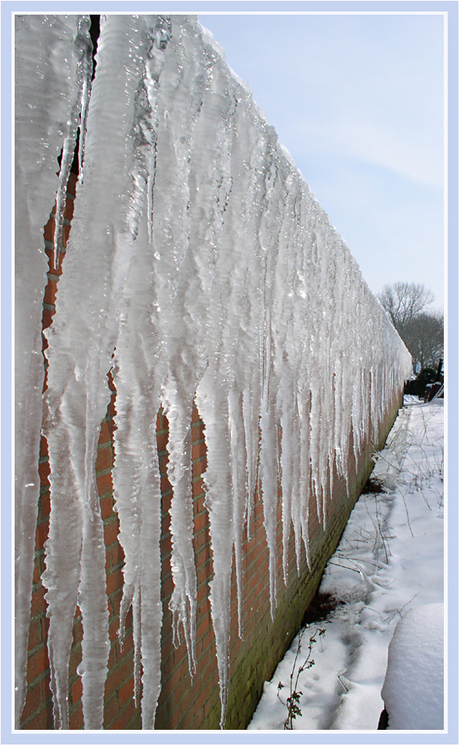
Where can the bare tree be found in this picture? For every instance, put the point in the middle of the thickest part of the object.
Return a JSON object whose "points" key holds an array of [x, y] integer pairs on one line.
{"points": [[424, 338], [403, 301], [421, 332]]}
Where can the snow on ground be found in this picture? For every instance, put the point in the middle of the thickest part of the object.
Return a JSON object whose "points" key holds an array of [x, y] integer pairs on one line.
{"points": [[390, 560], [415, 665]]}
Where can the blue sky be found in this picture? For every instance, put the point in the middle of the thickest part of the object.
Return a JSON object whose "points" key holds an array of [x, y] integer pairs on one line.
{"points": [[358, 100]]}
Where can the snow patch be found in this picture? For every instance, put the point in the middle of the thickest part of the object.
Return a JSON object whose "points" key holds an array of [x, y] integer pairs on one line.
{"points": [[385, 578], [413, 690]]}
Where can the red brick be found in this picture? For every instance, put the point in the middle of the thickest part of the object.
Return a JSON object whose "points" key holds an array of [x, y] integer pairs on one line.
{"points": [[115, 602], [113, 629], [77, 629], [106, 506], [38, 602], [118, 554], [120, 675], [104, 483], [186, 702], [70, 197], [44, 471], [201, 522], [43, 447], [126, 692], [48, 231], [199, 467], [47, 317], [110, 709], [203, 556], [33, 701], [45, 623], [41, 721], [203, 627], [36, 573], [198, 451], [128, 642], [112, 657], [75, 658], [50, 292], [41, 535], [46, 688], [166, 545], [37, 663], [165, 485], [123, 719], [162, 441], [77, 691], [111, 531], [76, 718], [103, 459], [45, 505], [105, 434], [201, 539], [65, 234], [198, 490], [35, 633], [198, 502], [168, 587], [203, 573], [114, 581], [204, 695]]}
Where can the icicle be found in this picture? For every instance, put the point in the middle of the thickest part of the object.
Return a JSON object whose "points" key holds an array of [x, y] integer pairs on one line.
{"points": [[137, 635], [212, 405], [206, 263], [183, 601], [83, 54], [137, 378], [305, 478], [81, 344], [288, 444], [315, 435], [87, 72], [179, 289], [268, 452], [251, 436], [146, 124], [44, 80], [297, 508], [92, 600], [238, 461], [61, 577], [136, 480]]}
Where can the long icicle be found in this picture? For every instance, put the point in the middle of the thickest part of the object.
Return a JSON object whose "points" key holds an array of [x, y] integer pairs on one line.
{"points": [[45, 80]]}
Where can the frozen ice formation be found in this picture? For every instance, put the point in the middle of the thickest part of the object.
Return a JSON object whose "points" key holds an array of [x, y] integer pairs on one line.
{"points": [[200, 268], [50, 65]]}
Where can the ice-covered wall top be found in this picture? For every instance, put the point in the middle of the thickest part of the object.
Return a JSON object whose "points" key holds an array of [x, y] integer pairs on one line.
{"points": [[199, 268]]}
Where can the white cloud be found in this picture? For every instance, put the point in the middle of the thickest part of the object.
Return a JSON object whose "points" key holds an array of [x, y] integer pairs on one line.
{"points": [[353, 134], [370, 88]]}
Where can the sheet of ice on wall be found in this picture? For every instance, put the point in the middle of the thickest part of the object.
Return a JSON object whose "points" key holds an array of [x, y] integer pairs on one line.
{"points": [[198, 258]]}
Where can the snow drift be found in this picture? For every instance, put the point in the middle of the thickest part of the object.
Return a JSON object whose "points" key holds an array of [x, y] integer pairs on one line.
{"points": [[413, 690], [199, 268]]}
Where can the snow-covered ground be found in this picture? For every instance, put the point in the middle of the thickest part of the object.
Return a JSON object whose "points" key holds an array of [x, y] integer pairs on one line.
{"points": [[390, 560]]}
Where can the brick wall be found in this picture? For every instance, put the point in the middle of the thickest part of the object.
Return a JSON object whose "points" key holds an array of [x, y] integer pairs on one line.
{"points": [[183, 704]]}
